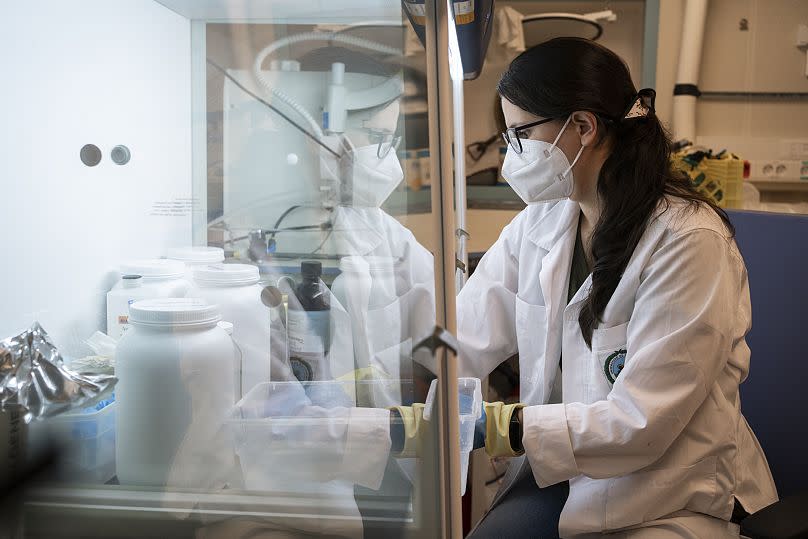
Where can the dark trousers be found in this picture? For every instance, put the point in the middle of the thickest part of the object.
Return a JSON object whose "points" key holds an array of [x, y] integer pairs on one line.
{"points": [[521, 509]]}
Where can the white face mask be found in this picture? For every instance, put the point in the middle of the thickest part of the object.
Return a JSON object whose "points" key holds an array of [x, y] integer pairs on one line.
{"points": [[541, 173], [368, 180]]}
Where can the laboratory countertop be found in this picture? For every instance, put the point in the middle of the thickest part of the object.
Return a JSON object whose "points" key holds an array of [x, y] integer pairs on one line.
{"points": [[91, 510]]}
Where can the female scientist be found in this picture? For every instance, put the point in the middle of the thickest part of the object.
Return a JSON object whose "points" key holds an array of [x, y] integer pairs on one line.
{"points": [[625, 296]]}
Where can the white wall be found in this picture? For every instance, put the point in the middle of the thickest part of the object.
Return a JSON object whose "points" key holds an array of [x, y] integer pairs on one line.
{"points": [[96, 72], [762, 59]]}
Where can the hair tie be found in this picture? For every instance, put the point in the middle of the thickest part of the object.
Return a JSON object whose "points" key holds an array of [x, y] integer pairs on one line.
{"points": [[642, 105]]}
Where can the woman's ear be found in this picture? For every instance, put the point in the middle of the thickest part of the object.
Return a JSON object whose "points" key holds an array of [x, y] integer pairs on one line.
{"points": [[586, 126]]}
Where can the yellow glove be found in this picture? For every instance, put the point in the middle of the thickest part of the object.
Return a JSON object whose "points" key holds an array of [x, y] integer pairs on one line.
{"points": [[412, 418], [498, 428]]}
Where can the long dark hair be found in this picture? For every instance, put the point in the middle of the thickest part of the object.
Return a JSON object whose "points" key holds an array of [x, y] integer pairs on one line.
{"points": [[564, 75]]}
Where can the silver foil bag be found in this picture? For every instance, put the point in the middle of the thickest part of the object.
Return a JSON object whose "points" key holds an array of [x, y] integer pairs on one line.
{"points": [[34, 379]]}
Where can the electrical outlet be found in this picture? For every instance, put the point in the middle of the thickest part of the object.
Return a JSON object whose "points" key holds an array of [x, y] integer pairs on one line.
{"points": [[778, 170]]}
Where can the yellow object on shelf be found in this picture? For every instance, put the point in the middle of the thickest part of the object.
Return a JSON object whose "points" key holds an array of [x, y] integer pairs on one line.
{"points": [[718, 177]]}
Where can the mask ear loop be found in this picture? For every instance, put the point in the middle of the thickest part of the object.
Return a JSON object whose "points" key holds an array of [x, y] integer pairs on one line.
{"points": [[563, 175], [558, 137], [569, 169]]}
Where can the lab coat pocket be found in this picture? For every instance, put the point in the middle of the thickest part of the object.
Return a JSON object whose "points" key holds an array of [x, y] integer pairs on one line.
{"points": [[531, 337], [609, 338], [608, 359], [649, 495], [608, 355]]}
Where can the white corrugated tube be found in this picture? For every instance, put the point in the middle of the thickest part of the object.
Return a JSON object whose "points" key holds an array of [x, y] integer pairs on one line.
{"points": [[260, 75], [687, 78]]}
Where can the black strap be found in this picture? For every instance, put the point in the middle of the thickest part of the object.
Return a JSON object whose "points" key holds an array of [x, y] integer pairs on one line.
{"points": [[515, 433], [686, 89]]}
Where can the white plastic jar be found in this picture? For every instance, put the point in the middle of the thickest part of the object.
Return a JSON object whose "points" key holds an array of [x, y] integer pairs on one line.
{"points": [[235, 289], [175, 389], [383, 278], [194, 257], [161, 278]]}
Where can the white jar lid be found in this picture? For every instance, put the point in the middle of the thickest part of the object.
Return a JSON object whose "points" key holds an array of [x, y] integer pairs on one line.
{"points": [[154, 268], [173, 312], [226, 275], [197, 255]]}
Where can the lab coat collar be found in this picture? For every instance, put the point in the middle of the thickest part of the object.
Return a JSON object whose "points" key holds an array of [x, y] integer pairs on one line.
{"points": [[548, 228]]}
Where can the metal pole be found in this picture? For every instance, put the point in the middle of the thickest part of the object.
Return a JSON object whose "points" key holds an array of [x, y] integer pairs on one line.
{"points": [[439, 101]]}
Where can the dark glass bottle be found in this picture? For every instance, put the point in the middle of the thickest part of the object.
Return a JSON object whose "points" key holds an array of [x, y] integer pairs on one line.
{"points": [[308, 329]]}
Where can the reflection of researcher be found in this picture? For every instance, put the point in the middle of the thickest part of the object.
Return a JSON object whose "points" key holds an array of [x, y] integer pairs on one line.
{"points": [[347, 447], [398, 308], [630, 374]]}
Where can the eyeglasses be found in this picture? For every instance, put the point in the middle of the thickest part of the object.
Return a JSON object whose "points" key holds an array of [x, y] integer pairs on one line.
{"points": [[386, 142], [511, 135]]}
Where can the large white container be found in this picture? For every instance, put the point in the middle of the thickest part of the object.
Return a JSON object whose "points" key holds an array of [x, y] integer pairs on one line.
{"points": [[159, 278], [175, 371], [235, 289], [194, 257]]}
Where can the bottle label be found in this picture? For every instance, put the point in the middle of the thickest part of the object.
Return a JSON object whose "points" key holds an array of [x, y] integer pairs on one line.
{"points": [[305, 333], [308, 341]]}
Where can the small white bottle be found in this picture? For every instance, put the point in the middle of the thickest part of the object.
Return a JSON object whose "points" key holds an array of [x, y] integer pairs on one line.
{"points": [[382, 274], [118, 301]]}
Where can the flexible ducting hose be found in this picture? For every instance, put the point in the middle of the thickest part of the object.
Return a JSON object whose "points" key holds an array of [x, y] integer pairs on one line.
{"points": [[260, 75]]}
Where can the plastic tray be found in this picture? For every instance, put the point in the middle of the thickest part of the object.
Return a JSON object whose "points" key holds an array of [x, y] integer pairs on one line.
{"points": [[89, 438], [296, 437], [308, 437]]}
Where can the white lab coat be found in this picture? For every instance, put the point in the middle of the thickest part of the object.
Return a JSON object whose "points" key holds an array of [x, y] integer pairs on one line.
{"points": [[668, 435]]}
